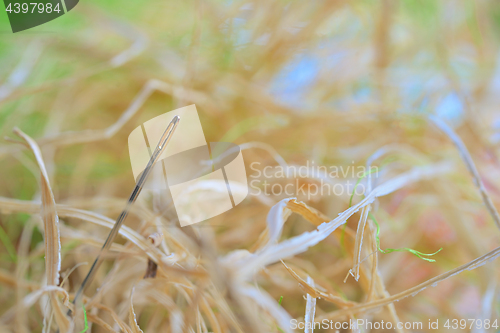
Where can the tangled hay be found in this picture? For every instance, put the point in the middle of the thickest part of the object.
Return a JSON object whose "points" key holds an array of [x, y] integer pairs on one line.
{"points": [[408, 87]]}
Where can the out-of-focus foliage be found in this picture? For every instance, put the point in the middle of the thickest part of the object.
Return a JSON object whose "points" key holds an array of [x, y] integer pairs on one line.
{"points": [[325, 81]]}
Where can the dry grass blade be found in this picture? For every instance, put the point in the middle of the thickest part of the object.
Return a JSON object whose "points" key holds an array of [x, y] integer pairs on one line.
{"points": [[121, 323], [30, 299], [478, 262], [22, 71], [310, 309], [132, 320], [166, 262], [345, 236], [22, 266], [86, 136], [49, 216], [51, 232], [95, 319], [271, 253], [310, 289], [464, 153], [359, 241], [270, 305]]}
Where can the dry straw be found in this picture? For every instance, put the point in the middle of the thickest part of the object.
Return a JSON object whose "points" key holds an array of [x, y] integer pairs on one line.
{"points": [[346, 84]]}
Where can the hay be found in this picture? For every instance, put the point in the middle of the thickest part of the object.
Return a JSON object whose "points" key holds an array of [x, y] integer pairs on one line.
{"points": [[347, 85]]}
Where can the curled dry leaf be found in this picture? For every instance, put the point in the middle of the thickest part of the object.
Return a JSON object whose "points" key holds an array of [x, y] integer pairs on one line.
{"points": [[156, 238]]}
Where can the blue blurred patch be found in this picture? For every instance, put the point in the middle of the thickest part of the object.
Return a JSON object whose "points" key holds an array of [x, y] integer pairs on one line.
{"points": [[450, 109], [293, 82]]}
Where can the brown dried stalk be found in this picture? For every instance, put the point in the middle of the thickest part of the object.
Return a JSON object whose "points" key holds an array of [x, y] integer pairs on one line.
{"points": [[51, 231]]}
